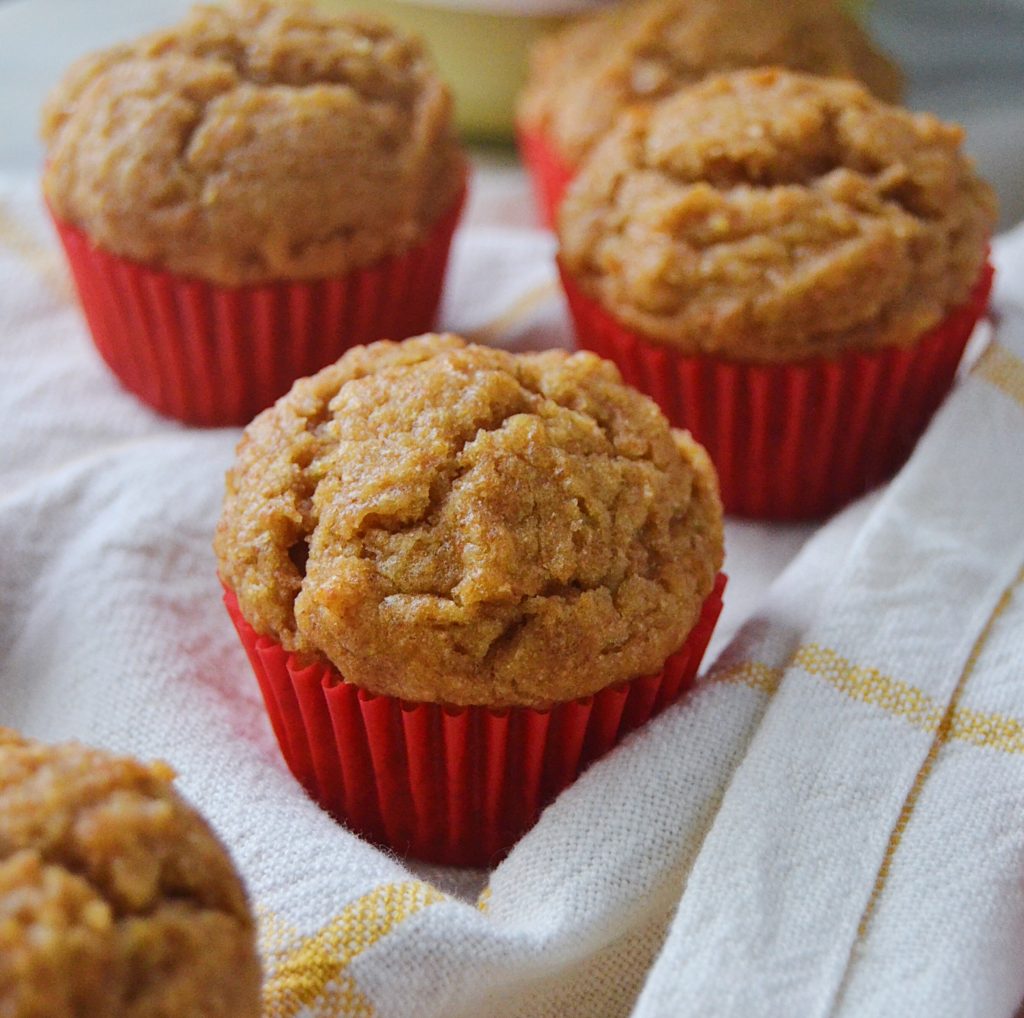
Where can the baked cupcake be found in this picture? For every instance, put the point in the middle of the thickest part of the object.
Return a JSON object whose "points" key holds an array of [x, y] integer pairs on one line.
{"points": [[791, 268], [635, 53], [462, 574], [116, 899], [244, 196]]}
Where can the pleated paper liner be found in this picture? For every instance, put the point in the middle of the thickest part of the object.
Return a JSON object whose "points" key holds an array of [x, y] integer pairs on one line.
{"points": [[793, 441], [549, 173], [216, 355], [451, 785]]}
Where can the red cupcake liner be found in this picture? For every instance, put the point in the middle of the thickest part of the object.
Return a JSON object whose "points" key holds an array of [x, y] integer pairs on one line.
{"points": [[800, 440], [450, 785], [549, 173], [217, 355]]}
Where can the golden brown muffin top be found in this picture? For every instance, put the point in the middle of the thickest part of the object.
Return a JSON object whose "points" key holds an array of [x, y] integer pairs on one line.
{"points": [[769, 216], [452, 523], [256, 140], [116, 899], [582, 78]]}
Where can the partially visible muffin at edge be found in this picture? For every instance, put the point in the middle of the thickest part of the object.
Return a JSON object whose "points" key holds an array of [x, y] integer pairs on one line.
{"points": [[766, 215], [254, 141], [116, 899], [451, 523], [582, 78]]}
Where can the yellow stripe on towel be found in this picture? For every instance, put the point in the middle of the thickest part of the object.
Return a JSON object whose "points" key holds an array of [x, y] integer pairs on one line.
{"points": [[985, 729], [313, 970], [869, 685], [1002, 369], [43, 259], [949, 724], [753, 674]]}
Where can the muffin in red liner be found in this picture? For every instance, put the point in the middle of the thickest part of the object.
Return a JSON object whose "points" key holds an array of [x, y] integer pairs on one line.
{"points": [[549, 173], [624, 56], [791, 268], [116, 895], [216, 355], [795, 440], [471, 572], [247, 194], [451, 785]]}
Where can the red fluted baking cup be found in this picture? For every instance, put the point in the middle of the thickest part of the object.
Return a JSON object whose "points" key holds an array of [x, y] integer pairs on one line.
{"points": [[549, 172], [215, 355], [798, 440], [452, 785]]}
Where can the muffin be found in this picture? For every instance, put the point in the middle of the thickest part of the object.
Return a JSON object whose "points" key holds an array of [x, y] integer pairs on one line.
{"points": [[461, 574], [116, 899], [247, 194], [583, 78], [791, 267]]}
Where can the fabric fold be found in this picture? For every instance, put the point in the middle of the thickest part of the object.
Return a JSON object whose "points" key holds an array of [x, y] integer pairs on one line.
{"points": [[781, 901]]}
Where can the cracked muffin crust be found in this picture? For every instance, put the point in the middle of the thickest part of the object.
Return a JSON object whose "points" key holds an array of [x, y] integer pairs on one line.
{"points": [[451, 523], [770, 216], [116, 899], [255, 141], [584, 77]]}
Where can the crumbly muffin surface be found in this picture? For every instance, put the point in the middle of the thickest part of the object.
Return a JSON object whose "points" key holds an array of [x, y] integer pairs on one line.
{"points": [[637, 52], [256, 140], [765, 216], [116, 900], [452, 523]]}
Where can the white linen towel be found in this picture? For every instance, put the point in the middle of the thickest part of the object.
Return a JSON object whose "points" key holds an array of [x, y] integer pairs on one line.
{"points": [[832, 824]]}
